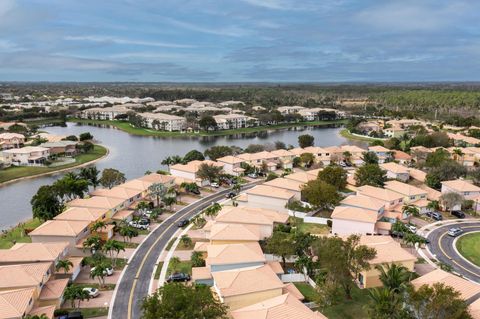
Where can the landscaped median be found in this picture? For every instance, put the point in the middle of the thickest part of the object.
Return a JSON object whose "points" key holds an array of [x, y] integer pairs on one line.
{"points": [[18, 172], [127, 127], [469, 247]]}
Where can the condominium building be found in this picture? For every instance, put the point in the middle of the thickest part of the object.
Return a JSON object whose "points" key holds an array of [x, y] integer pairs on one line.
{"points": [[163, 122]]}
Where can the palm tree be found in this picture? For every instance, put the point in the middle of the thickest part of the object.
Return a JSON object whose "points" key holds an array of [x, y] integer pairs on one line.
{"points": [[237, 188], [127, 231], [112, 246], [73, 293], [457, 154], [158, 190], [175, 264], [213, 210], [64, 264], [394, 277], [384, 304], [91, 175], [347, 157], [42, 316], [197, 259], [94, 243], [409, 211], [99, 272], [167, 161], [98, 225], [186, 240]]}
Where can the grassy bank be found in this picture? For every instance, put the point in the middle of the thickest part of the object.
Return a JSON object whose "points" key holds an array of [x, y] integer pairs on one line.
{"points": [[469, 246], [346, 133], [126, 127], [18, 234], [14, 172]]}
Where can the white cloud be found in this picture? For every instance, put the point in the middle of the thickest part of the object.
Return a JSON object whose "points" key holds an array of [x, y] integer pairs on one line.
{"points": [[116, 40], [230, 31]]}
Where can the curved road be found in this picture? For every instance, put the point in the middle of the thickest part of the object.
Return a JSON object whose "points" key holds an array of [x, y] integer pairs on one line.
{"points": [[134, 284], [442, 246]]}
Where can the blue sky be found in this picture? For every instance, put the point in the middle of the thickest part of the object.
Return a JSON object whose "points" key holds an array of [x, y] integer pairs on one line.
{"points": [[239, 40]]}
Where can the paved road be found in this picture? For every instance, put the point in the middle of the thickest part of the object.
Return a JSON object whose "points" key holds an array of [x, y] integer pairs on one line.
{"points": [[441, 245], [136, 280]]}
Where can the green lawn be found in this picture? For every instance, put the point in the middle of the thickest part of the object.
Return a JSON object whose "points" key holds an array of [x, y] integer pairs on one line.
{"points": [[24, 171], [158, 270], [309, 227], [345, 133], [91, 312], [350, 309], [469, 246], [18, 234], [125, 126], [185, 267], [310, 294], [96, 285]]}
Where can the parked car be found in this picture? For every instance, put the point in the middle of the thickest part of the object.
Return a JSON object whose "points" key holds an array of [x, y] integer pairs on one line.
{"points": [[458, 214], [396, 234], [215, 185], [178, 277], [411, 228], [183, 222], [454, 232], [71, 315], [92, 292], [195, 191], [138, 225], [108, 271], [230, 195], [252, 175], [144, 221], [434, 215]]}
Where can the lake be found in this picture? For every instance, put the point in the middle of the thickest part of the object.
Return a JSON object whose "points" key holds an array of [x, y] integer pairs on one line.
{"points": [[134, 155]]}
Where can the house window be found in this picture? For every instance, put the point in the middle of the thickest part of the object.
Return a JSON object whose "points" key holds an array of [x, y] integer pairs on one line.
{"points": [[412, 197]]}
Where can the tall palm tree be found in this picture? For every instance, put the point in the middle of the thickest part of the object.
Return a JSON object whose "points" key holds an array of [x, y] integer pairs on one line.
{"points": [[99, 272], [457, 154], [93, 243], [98, 225], [409, 211], [112, 246], [157, 190], [64, 264], [384, 304], [394, 277]]}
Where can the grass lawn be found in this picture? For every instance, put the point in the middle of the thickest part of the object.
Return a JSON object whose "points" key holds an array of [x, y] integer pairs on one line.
{"points": [[469, 246], [350, 309], [158, 270], [307, 291], [309, 227], [24, 171], [345, 133], [125, 126], [17, 234], [91, 312], [185, 267]]}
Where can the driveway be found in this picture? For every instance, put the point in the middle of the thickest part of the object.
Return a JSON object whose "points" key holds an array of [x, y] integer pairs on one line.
{"points": [[84, 277]]}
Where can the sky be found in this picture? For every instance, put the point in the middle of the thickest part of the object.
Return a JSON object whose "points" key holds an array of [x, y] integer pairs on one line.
{"points": [[240, 40]]}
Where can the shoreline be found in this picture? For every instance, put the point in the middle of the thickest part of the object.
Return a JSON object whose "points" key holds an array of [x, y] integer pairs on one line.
{"points": [[107, 152], [346, 134], [126, 127]]}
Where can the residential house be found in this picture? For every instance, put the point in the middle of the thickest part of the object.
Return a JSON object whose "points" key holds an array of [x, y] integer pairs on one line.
{"points": [[61, 148], [417, 174], [474, 309], [163, 122], [402, 157], [69, 231], [383, 153], [189, 170], [268, 197], [26, 253], [467, 157], [410, 193], [11, 140], [393, 131], [231, 165], [110, 205], [364, 202], [462, 140], [257, 159], [167, 180], [244, 287], [139, 184], [287, 184], [389, 252], [303, 176], [322, 155], [128, 195], [406, 123], [283, 306], [396, 171], [284, 110], [220, 234], [17, 303], [420, 153], [390, 198], [285, 157], [348, 220], [234, 256], [26, 156], [355, 152], [461, 187]]}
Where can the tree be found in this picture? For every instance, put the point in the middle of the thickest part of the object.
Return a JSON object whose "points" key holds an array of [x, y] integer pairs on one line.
{"points": [[437, 301], [99, 272], [175, 264], [347, 157], [280, 245], [193, 155], [215, 152], [186, 240], [334, 175], [307, 159], [254, 148], [436, 158], [73, 293], [86, 136], [91, 175], [169, 201], [207, 122], [370, 158], [410, 210], [93, 243], [394, 277], [64, 264], [450, 200], [370, 174], [384, 304], [320, 194], [306, 140], [113, 248], [112, 177], [279, 145], [99, 224], [71, 186], [197, 259], [448, 170], [127, 231], [86, 146], [208, 172], [175, 300], [42, 316], [213, 210], [46, 203], [158, 190]]}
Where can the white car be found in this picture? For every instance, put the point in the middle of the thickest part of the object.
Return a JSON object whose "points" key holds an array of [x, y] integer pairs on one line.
{"points": [[92, 292], [215, 185], [138, 225], [108, 271], [412, 228]]}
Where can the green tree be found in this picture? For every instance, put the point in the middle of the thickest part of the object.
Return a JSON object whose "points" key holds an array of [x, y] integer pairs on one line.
{"points": [[370, 174], [409, 211], [347, 157], [113, 248], [307, 159], [370, 158], [208, 172], [157, 190], [218, 151], [71, 186], [99, 271], [207, 122], [197, 259], [186, 240], [445, 171], [436, 158], [175, 263], [112, 177], [320, 194], [394, 277], [280, 244], [212, 210], [334, 175], [93, 243], [98, 225], [384, 304], [175, 300], [64, 264], [450, 200], [127, 231], [193, 155], [85, 136], [91, 175], [306, 140], [46, 203], [73, 293]]}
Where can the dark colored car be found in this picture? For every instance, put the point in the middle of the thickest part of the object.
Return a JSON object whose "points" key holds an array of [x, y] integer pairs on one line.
{"points": [[230, 195], [178, 277], [72, 315], [458, 213], [183, 222], [434, 215], [195, 191], [396, 234]]}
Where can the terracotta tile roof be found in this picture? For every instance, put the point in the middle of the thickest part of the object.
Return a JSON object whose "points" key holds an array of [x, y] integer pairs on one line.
{"points": [[354, 214], [269, 191], [123, 214], [290, 288], [96, 202], [235, 232], [23, 275], [69, 228], [314, 150], [264, 155], [282, 153], [394, 168], [466, 288], [379, 193], [474, 309], [199, 273], [246, 280], [297, 151], [157, 178], [117, 192], [378, 148], [47, 311], [284, 306], [399, 155], [302, 177], [361, 201], [53, 289], [248, 215], [14, 303], [276, 267], [33, 252], [230, 159], [234, 254], [192, 166], [137, 184], [285, 183], [201, 246], [388, 250], [417, 174], [461, 186], [82, 213], [404, 189]]}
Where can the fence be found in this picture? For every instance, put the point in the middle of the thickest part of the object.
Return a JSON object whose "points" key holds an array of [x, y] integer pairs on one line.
{"points": [[309, 219]]}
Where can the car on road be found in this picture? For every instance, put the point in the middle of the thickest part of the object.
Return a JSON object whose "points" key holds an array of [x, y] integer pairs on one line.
{"points": [[108, 271], [252, 175], [454, 232], [411, 228], [230, 195], [434, 215], [92, 292], [458, 214], [214, 185], [183, 222], [139, 225], [178, 277]]}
